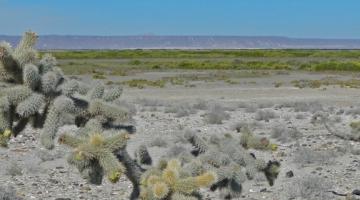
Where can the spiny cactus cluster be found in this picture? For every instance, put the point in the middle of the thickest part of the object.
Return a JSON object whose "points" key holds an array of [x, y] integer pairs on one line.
{"points": [[225, 156], [40, 94], [169, 181]]}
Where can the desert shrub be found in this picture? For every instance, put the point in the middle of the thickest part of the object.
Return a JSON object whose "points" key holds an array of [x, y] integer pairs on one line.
{"points": [[142, 83], [158, 142], [14, 169], [216, 115], [8, 193], [200, 105], [265, 115], [285, 134], [354, 111], [265, 105], [310, 187], [300, 116], [306, 155], [307, 107], [239, 126], [149, 102], [127, 105], [181, 110], [45, 155], [251, 108]]}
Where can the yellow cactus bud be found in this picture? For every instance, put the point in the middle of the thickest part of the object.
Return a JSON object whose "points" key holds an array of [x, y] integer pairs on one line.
{"points": [[127, 136], [152, 180], [273, 147], [79, 155], [96, 139], [205, 179], [160, 190], [174, 164], [170, 176], [7, 133], [114, 176]]}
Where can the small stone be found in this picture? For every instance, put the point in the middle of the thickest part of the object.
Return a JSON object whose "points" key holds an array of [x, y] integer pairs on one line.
{"points": [[356, 192], [263, 190], [319, 168], [289, 174], [54, 181]]}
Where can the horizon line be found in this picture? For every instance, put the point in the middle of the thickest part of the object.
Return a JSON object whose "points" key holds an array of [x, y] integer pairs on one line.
{"points": [[155, 35]]}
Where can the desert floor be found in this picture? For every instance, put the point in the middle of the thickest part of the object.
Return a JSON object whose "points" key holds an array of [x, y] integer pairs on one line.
{"points": [[320, 161]]}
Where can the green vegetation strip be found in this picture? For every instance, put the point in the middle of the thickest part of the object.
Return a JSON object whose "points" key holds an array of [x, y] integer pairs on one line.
{"points": [[132, 54]]}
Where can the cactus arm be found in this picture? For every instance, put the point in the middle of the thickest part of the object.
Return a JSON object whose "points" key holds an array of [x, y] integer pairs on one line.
{"points": [[70, 140], [117, 141], [31, 77], [133, 171], [10, 65], [49, 130], [112, 94], [30, 105]]}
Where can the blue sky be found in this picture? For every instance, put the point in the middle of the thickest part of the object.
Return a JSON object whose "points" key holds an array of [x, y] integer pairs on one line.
{"points": [[293, 18]]}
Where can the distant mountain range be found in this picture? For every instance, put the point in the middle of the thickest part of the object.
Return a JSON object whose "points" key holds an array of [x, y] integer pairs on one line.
{"points": [[186, 42]]}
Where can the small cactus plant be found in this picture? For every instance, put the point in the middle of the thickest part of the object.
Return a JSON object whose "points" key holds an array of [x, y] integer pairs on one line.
{"points": [[248, 140], [171, 182], [97, 147]]}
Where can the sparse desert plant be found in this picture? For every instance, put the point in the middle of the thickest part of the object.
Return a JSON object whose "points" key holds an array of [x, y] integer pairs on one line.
{"points": [[285, 134], [239, 126], [181, 110], [249, 140], [216, 115], [149, 102], [265, 115], [306, 155], [312, 107], [310, 187], [158, 142], [14, 169], [300, 116], [353, 111], [8, 193], [353, 135], [251, 108], [200, 105]]}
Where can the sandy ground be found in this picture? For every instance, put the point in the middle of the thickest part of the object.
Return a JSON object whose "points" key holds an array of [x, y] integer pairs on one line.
{"points": [[39, 174]]}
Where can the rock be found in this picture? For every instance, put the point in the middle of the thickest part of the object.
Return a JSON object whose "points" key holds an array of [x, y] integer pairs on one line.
{"points": [[319, 168], [54, 181], [356, 192], [289, 174]]}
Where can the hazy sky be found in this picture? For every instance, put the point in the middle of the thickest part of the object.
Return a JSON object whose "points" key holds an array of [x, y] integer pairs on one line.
{"points": [[294, 18]]}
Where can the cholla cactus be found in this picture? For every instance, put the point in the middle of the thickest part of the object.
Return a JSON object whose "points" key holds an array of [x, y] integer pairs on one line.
{"points": [[171, 182], [42, 95], [96, 151], [96, 154], [225, 156], [249, 141]]}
